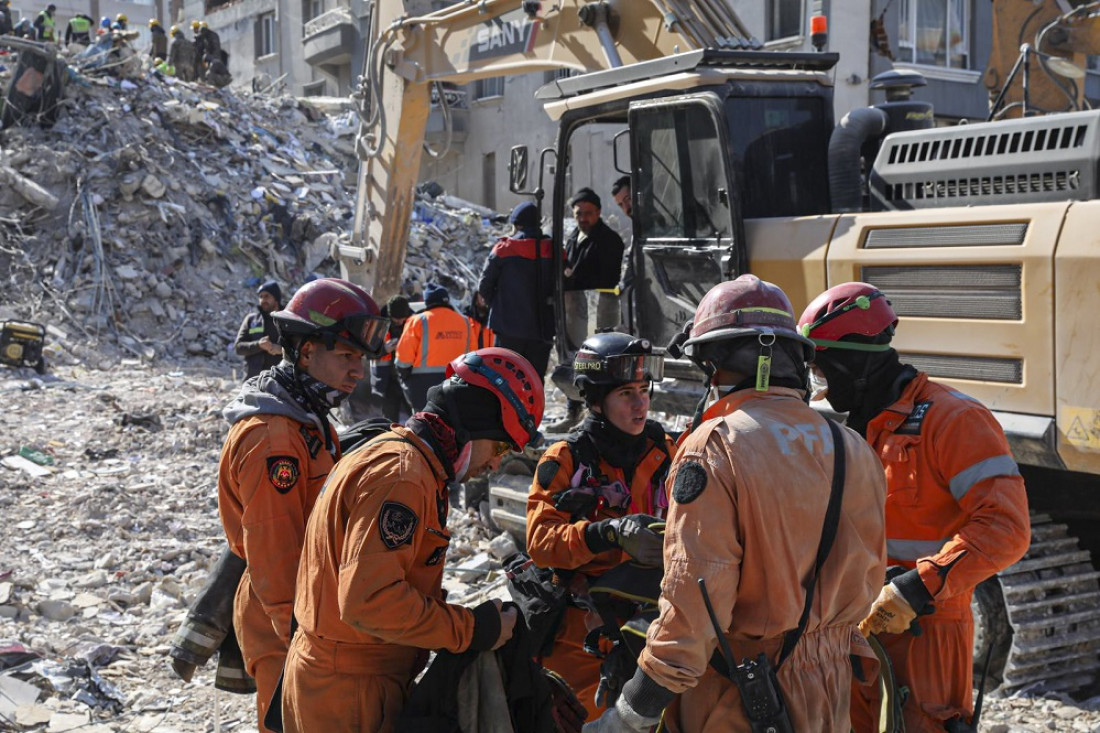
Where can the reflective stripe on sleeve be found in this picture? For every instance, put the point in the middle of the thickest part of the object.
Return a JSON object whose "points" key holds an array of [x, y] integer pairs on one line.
{"points": [[913, 550], [1001, 465]]}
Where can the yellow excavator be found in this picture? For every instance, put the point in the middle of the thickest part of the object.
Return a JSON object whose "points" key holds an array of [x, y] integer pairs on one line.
{"points": [[985, 236]]}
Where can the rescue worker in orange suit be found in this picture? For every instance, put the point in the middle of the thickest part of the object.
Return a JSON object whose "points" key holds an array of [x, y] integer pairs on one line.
{"points": [[370, 602], [430, 340], [516, 285], [623, 457], [279, 450], [750, 487], [956, 509]]}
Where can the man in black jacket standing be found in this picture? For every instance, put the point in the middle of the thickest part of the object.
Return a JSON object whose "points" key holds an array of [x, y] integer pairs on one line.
{"points": [[593, 261], [258, 338]]}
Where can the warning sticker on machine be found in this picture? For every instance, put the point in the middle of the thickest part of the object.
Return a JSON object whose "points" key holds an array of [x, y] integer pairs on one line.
{"points": [[1081, 427]]}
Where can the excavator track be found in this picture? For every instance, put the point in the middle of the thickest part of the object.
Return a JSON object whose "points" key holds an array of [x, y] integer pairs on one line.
{"points": [[1042, 616]]}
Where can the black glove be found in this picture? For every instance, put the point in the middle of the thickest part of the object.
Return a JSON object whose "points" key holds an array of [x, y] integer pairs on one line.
{"points": [[615, 671], [632, 533]]}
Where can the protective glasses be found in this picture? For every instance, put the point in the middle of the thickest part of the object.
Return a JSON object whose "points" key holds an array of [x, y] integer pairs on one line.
{"points": [[368, 332], [624, 367], [501, 447]]}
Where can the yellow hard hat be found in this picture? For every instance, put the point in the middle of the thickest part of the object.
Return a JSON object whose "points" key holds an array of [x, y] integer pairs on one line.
{"points": [[195, 25], [202, 24], [121, 18], [174, 30], [153, 22]]}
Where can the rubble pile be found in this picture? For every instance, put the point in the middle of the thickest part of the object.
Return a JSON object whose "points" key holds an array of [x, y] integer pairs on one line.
{"points": [[147, 214]]}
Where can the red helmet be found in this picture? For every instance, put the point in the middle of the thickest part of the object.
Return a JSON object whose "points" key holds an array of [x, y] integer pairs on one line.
{"points": [[334, 310], [849, 309], [514, 382], [746, 306]]}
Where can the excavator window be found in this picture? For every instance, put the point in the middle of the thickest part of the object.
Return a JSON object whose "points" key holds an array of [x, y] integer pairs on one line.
{"points": [[781, 145]]}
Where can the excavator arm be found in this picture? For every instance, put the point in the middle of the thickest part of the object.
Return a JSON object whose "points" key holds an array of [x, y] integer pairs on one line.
{"points": [[466, 41]]}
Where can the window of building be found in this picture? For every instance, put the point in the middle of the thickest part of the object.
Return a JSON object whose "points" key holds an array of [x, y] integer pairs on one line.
{"points": [[491, 87], [783, 19], [314, 88], [312, 9], [934, 33], [265, 35]]}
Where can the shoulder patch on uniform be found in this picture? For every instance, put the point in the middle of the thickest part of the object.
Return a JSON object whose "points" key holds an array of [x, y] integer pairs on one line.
{"points": [[546, 472], [396, 523], [691, 479], [282, 472], [912, 423], [313, 443]]}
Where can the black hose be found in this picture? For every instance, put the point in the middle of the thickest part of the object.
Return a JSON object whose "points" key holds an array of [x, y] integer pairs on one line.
{"points": [[845, 181]]}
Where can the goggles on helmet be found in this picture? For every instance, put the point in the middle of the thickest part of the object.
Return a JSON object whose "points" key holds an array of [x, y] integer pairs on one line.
{"points": [[621, 367], [526, 419], [367, 330]]}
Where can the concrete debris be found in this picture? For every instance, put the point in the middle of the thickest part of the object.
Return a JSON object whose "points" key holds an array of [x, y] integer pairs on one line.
{"points": [[141, 212]]}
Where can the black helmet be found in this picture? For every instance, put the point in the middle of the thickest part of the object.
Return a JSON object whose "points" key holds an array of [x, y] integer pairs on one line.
{"points": [[607, 360]]}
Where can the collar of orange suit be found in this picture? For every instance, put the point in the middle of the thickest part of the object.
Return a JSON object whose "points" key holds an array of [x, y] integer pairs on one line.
{"points": [[732, 402], [433, 430]]}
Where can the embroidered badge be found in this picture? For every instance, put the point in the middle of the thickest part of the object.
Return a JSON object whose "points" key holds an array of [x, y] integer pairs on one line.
{"points": [[690, 481], [546, 472], [396, 523], [282, 471], [912, 424]]}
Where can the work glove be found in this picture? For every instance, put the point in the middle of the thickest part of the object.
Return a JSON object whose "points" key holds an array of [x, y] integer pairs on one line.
{"points": [[632, 533], [621, 719], [568, 712], [615, 671], [890, 613]]}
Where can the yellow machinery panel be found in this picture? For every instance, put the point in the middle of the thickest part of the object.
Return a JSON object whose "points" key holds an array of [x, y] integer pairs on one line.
{"points": [[974, 290], [1077, 338], [791, 254]]}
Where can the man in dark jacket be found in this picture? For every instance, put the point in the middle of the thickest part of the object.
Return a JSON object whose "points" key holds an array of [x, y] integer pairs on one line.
{"points": [[593, 261], [516, 284], [258, 338]]}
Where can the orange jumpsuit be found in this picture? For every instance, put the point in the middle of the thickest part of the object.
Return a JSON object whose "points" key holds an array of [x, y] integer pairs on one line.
{"points": [[749, 492], [553, 541], [956, 510], [370, 599], [271, 470]]}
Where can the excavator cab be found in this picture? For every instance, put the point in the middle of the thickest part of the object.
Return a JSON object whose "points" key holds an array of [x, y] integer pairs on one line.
{"points": [[699, 125]]}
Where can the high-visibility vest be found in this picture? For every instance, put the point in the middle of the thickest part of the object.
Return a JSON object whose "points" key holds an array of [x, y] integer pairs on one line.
{"points": [[80, 25], [433, 339], [47, 26]]}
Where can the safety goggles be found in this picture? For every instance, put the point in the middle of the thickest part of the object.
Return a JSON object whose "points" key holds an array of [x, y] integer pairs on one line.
{"points": [[501, 447], [367, 332], [624, 367]]}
